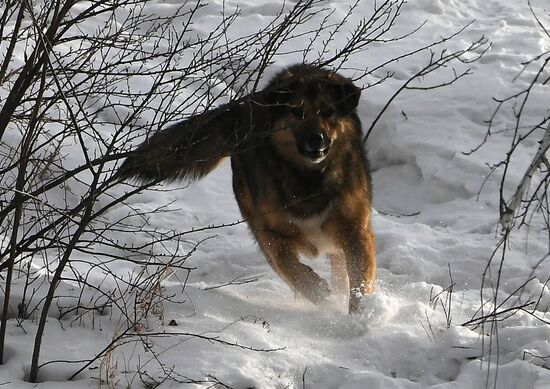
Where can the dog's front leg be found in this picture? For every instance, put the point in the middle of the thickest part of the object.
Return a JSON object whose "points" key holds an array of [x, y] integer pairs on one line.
{"points": [[361, 263], [281, 252], [354, 236]]}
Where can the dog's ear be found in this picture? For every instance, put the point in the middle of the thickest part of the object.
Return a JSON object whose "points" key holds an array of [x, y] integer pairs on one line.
{"points": [[345, 95]]}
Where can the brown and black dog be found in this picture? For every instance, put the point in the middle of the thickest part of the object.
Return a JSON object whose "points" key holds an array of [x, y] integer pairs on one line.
{"points": [[300, 174]]}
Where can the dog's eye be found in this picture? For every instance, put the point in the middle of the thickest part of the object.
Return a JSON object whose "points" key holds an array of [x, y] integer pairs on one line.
{"points": [[298, 112], [325, 111]]}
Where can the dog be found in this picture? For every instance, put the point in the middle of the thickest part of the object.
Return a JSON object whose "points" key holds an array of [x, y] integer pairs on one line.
{"points": [[300, 175]]}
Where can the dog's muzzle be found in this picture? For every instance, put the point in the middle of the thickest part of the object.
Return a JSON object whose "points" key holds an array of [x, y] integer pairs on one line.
{"points": [[316, 147]]}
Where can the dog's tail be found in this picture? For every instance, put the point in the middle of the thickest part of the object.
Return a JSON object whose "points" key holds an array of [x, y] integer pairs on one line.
{"points": [[192, 148]]}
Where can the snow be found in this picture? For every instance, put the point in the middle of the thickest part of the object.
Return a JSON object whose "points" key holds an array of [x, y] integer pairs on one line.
{"points": [[435, 219]]}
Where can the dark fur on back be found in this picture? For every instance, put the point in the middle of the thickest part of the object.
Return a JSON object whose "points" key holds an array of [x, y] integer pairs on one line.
{"points": [[300, 174]]}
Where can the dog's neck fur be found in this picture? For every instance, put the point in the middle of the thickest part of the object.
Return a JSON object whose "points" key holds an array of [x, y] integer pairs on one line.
{"points": [[306, 191]]}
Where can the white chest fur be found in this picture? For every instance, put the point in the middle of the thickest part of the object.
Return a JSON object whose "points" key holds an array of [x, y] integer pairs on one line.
{"points": [[312, 230]]}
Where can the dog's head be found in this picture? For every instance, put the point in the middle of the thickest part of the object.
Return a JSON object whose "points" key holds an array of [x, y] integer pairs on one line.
{"points": [[312, 109]]}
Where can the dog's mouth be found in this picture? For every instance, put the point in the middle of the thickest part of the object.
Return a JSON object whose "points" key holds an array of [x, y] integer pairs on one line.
{"points": [[315, 156]]}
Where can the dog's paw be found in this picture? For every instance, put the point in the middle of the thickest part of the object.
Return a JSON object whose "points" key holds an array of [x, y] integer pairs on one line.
{"points": [[355, 301], [317, 293]]}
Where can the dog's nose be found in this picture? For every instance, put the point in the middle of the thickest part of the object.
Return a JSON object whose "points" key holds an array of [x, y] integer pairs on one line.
{"points": [[317, 142]]}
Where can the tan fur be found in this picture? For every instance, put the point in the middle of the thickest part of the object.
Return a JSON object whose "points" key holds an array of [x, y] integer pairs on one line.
{"points": [[300, 175]]}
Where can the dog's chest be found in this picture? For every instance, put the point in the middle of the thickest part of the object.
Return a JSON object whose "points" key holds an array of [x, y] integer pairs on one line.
{"points": [[311, 229], [307, 196]]}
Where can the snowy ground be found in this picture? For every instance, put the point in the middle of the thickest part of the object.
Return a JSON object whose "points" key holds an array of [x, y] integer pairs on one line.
{"points": [[431, 222]]}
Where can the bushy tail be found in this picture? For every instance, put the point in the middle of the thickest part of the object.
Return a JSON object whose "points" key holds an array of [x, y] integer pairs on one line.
{"points": [[192, 148]]}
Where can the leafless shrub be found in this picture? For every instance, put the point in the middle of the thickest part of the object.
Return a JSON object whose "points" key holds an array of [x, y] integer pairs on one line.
{"points": [[524, 206], [97, 77]]}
